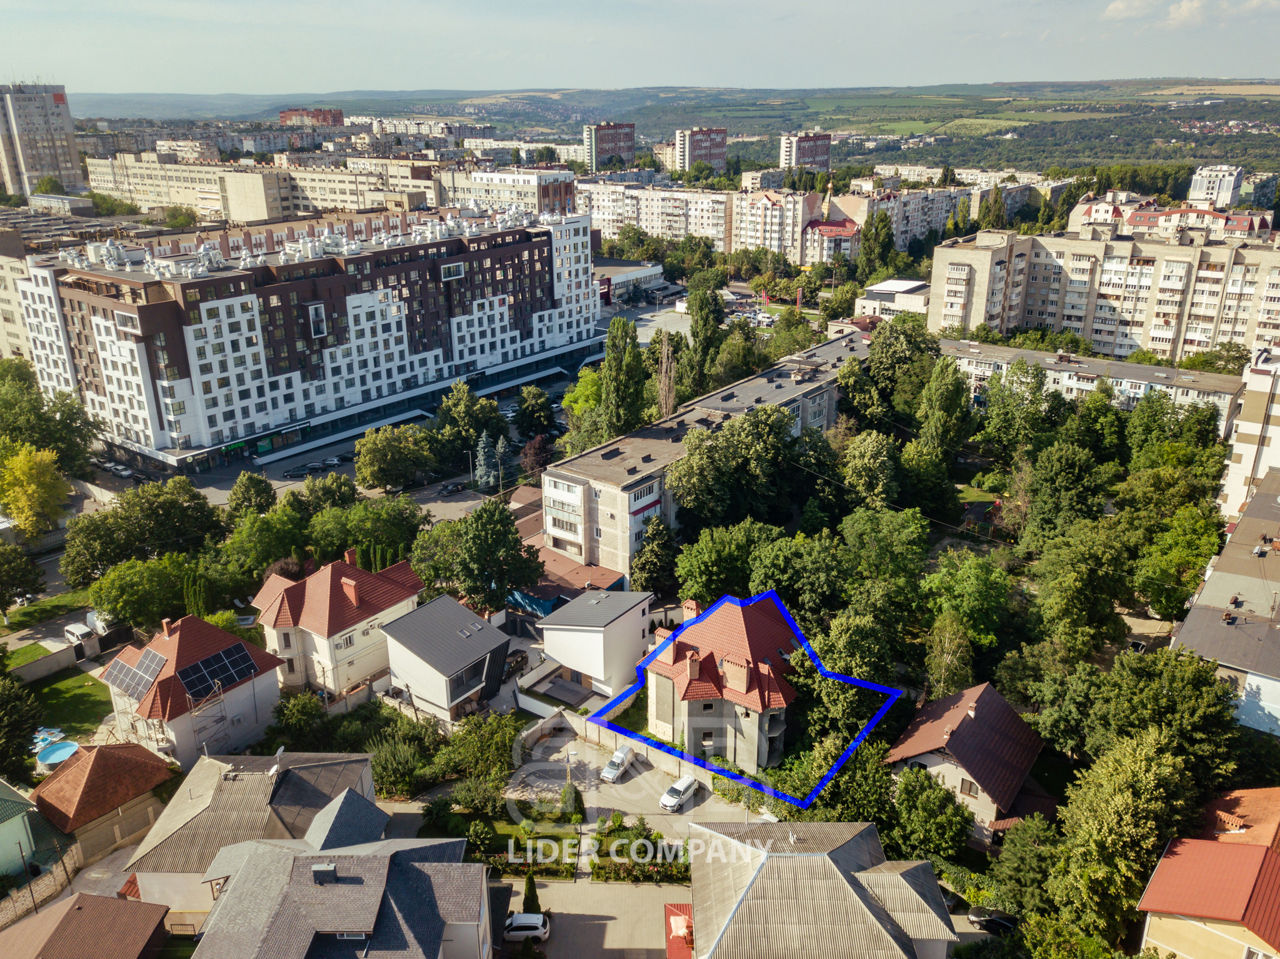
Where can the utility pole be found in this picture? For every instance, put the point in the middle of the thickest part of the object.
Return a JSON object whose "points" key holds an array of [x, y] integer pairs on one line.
{"points": [[30, 888]]}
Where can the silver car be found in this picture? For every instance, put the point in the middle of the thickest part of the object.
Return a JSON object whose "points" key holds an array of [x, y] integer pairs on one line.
{"points": [[617, 764], [681, 792]]}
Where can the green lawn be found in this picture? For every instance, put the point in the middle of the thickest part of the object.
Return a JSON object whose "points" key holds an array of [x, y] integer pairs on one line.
{"points": [[971, 494], [51, 607], [177, 947], [13, 658], [72, 700], [636, 716]]}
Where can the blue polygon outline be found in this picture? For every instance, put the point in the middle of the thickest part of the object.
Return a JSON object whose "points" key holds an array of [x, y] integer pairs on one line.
{"points": [[803, 803]]}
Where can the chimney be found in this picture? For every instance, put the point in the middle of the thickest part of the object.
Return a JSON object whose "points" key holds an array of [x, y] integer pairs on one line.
{"points": [[973, 709], [735, 674], [692, 665], [692, 609], [164, 626], [349, 557], [668, 654], [349, 587], [323, 872]]}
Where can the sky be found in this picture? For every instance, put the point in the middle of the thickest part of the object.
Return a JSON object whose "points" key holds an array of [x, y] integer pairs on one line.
{"points": [[283, 46]]}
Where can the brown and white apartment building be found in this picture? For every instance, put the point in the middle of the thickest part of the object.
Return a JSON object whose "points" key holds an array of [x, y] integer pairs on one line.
{"points": [[605, 140], [238, 348]]}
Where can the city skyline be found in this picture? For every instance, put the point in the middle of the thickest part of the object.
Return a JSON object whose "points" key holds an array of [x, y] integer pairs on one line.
{"points": [[1144, 37]]}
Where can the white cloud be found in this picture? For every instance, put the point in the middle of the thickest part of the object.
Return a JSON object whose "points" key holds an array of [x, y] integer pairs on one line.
{"points": [[1129, 9], [1185, 13]]}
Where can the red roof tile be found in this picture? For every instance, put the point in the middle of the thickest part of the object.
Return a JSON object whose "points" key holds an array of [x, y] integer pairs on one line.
{"points": [[982, 733], [183, 644], [752, 637], [678, 929], [84, 925], [335, 597], [1245, 816], [97, 780], [1230, 882]]}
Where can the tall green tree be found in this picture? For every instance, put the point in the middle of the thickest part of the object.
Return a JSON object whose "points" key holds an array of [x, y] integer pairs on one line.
{"points": [[706, 314], [394, 455], [943, 410], [32, 490], [1118, 817], [251, 493], [20, 715], [948, 655], [1065, 486], [534, 416], [653, 568], [974, 587], [461, 420], [1170, 566], [930, 821], [143, 593], [1027, 859], [810, 575], [871, 470], [19, 576], [1017, 412], [622, 378], [718, 562], [491, 559]]}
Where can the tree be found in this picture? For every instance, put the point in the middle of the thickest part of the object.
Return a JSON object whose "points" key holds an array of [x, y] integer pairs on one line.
{"points": [[890, 549], [530, 903], [251, 493], [1016, 414], [584, 395], [1065, 486], [741, 470], [144, 522], [653, 568], [975, 588], [1026, 861], [718, 563], [393, 455], [622, 378], [810, 574], [143, 593], [59, 423], [19, 576], [706, 313], [435, 557], [1228, 358], [32, 490], [871, 470], [536, 455], [1118, 817], [852, 646], [386, 527], [491, 559], [20, 716], [1170, 566], [930, 822], [943, 410], [463, 417], [260, 539], [666, 374], [486, 463], [924, 483], [299, 720], [900, 360], [50, 186], [948, 656], [534, 416], [991, 211], [862, 791], [322, 492]]}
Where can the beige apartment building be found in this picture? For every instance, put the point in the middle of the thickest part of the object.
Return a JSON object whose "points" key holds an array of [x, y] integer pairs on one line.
{"points": [[13, 268], [37, 137], [670, 213], [1173, 297], [1255, 449], [595, 504]]}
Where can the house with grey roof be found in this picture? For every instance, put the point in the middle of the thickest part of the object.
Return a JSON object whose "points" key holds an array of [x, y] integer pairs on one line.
{"points": [[598, 638], [445, 658], [232, 799], [779, 890], [403, 898]]}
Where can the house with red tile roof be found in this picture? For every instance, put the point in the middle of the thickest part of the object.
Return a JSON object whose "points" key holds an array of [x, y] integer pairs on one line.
{"points": [[104, 796], [1208, 899], [193, 688], [719, 685], [978, 746], [327, 628], [1218, 894]]}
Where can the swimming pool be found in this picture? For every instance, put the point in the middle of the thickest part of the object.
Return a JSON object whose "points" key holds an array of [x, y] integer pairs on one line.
{"points": [[52, 755]]}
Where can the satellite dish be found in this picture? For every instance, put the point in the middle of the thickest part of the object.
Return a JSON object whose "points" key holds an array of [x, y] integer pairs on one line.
{"points": [[273, 770]]}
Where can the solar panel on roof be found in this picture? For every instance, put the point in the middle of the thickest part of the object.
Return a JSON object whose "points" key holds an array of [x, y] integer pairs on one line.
{"points": [[128, 680], [222, 669], [150, 664]]}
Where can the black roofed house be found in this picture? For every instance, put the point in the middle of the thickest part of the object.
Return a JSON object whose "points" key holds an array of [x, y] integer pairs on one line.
{"points": [[233, 799], [780, 890], [446, 658]]}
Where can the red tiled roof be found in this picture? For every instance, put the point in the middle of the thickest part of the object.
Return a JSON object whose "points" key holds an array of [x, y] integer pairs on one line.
{"points": [[322, 603], [677, 926], [97, 780], [130, 889], [1249, 816], [754, 637], [982, 733], [1230, 882], [183, 644]]}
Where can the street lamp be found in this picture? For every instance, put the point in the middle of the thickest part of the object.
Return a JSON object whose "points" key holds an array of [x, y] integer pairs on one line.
{"points": [[471, 466]]}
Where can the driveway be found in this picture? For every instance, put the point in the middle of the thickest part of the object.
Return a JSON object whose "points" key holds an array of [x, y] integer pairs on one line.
{"points": [[636, 795], [50, 630], [604, 920], [104, 877]]}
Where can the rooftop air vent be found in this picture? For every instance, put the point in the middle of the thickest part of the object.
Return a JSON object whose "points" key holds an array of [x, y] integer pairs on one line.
{"points": [[323, 872]]}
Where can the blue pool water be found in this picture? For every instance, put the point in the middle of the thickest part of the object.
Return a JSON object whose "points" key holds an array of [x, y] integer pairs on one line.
{"points": [[56, 753]]}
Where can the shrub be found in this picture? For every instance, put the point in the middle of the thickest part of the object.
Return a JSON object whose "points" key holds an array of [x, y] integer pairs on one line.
{"points": [[481, 835], [531, 903], [570, 801], [479, 794], [436, 812], [395, 763]]}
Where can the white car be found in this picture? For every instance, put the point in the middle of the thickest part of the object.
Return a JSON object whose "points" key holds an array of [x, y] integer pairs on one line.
{"points": [[617, 764], [332, 461], [527, 925], [681, 792]]}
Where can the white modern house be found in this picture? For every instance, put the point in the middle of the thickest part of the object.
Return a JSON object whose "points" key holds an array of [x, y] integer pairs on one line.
{"points": [[194, 688], [326, 628], [598, 638], [445, 658]]}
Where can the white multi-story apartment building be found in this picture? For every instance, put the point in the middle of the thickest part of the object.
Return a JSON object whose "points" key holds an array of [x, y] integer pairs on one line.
{"points": [[823, 239], [595, 504], [501, 149], [1134, 215], [1255, 449], [37, 137], [1218, 186], [671, 213], [190, 151], [912, 213], [1173, 297], [774, 220], [188, 358], [810, 151], [890, 297]]}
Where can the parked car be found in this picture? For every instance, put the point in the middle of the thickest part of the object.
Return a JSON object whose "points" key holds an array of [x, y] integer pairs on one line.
{"points": [[515, 664], [314, 467], [393, 490], [124, 472], [451, 489], [993, 920], [347, 457], [681, 792], [295, 472], [527, 925], [332, 461], [617, 764]]}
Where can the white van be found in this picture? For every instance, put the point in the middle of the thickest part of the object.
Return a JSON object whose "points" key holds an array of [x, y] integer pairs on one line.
{"points": [[84, 640], [617, 765]]}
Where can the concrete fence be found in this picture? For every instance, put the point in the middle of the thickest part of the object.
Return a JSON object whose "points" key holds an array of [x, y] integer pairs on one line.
{"points": [[55, 662], [609, 740], [23, 900]]}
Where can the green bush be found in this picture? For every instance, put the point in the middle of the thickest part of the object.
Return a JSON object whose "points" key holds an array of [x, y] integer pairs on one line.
{"points": [[531, 903], [481, 835], [436, 812]]}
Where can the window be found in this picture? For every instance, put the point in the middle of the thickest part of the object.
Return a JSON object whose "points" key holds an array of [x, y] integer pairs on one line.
{"points": [[286, 641], [968, 788], [708, 706], [288, 666], [708, 739], [916, 765], [644, 491]]}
